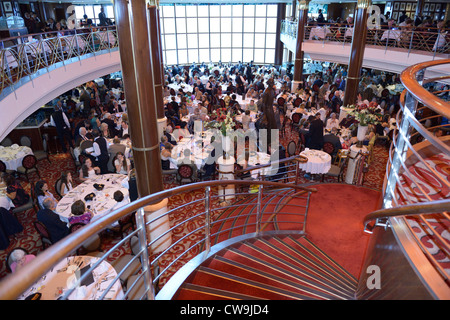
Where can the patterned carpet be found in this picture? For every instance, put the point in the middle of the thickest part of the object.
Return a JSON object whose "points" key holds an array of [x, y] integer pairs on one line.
{"points": [[29, 239]]}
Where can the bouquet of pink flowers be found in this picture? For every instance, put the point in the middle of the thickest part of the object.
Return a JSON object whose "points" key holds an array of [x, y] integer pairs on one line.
{"points": [[365, 114]]}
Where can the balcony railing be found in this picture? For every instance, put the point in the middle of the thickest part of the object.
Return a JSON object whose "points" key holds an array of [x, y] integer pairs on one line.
{"points": [[431, 40], [23, 56]]}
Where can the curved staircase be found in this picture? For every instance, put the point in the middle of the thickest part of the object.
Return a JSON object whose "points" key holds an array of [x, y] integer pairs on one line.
{"points": [[288, 267]]}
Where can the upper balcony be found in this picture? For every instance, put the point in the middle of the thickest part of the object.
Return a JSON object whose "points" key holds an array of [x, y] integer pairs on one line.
{"points": [[388, 50]]}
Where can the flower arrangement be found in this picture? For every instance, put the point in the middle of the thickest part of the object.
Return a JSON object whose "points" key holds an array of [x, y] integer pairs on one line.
{"points": [[365, 114], [223, 121]]}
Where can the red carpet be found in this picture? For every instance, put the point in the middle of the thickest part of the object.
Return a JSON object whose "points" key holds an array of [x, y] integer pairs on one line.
{"points": [[334, 222]]}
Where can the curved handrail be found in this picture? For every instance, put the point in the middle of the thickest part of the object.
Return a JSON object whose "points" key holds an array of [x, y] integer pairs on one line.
{"points": [[409, 80], [408, 210], [14, 285]]}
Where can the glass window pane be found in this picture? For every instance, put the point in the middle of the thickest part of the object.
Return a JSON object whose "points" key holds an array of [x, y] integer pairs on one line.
{"points": [[182, 56], [270, 56], [181, 25], [272, 10], [214, 24], [259, 56], [225, 11], [237, 25], [204, 55], [260, 39], [215, 55], [226, 24], [192, 55], [97, 11], [249, 24], [203, 41], [214, 10], [170, 42], [226, 40], [192, 41], [260, 24], [271, 25], [203, 25], [248, 55], [270, 41], [237, 40], [249, 10], [260, 11], [191, 11], [237, 10], [248, 40], [192, 25], [226, 55], [171, 57], [215, 40], [181, 41], [167, 11], [236, 55], [169, 25], [79, 12], [203, 11], [89, 11], [180, 11]]}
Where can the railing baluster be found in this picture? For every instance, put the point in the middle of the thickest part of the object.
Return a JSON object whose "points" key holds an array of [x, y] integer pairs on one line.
{"points": [[207, 219], [258, 209]]}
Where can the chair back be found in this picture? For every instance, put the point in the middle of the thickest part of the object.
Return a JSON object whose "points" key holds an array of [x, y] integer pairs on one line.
{"points": [[41, 229], [343, 165], [185, 171], [58, 187], [74, 227], [328, 147], [291, 148], [25, 141], [6, 142], [297, 102], [296, 117], [29, 161], [2, 166]]}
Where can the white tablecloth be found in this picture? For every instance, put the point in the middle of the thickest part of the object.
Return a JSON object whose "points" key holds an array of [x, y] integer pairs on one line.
{"points": [[259, 158], [391, 34], [319, 32], [12, 156], [197, 149], [319, 162], [102, 204], [65, 275]]}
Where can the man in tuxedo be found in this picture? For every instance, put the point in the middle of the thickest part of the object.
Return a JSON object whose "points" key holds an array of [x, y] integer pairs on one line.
{"points": [[316, 133], [100, 151], [57, 228], [81, 136], [336, 102], [59, 120]]}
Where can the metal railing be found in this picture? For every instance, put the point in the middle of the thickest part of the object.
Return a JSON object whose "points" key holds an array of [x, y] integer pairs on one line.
{"points": [[430, 39], [416, 180], [273, 208], [23, 56]]}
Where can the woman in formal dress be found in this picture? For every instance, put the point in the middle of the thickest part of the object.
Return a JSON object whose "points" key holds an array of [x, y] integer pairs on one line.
{"points": [[88, 171]]}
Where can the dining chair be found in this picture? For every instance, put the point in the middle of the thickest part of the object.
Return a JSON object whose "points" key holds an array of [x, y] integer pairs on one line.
{"points": [[25, 141], [296, 117], [3, 168], [31, 204], [29, 163], [291, 148], [185, 172], [58, 188], [7, 142], [44, 234], [328, 147], [90, 245], [337, 171], [297, 102]]}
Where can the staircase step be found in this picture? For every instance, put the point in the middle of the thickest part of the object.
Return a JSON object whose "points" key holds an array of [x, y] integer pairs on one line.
{"points": [[279, 250], [292, 284], [191, 291], [322, 258], [290, 271], [224, 281]]}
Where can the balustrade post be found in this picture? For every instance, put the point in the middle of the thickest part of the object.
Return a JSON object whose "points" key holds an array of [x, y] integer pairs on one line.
{"points": [[258, 209], [147, 270], [207, 219]]}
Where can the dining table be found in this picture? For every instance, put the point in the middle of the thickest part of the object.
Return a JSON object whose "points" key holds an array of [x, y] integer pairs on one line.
{"points": [[319, 32], [102, 201], [319, 162], [65, 275], [13, 155]]}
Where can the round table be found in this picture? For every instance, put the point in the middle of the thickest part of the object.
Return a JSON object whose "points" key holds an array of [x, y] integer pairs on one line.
{"points": [[319, 162], [12, 156], [103, 202], [65, 275]]}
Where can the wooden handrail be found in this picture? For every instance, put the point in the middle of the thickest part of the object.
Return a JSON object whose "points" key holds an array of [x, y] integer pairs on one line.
{"points": [[15, 284], [409, 210]]}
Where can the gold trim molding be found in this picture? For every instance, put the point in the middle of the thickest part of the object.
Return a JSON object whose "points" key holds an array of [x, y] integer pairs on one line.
{"points": [[303, 4], [364, 4]]}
